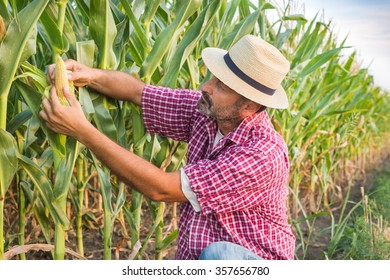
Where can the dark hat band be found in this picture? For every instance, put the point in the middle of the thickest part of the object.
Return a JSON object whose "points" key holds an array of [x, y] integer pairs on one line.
{"points": [[232, 66]]}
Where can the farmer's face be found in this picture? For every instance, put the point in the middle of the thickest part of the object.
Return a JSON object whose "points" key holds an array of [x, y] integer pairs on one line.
{"points": [[219, 101]]}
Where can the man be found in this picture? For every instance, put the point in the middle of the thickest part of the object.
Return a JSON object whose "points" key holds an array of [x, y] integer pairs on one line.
{"points": [[233, 188]]}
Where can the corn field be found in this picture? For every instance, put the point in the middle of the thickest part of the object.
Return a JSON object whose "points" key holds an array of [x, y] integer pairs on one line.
{"points": [[54, 192]]}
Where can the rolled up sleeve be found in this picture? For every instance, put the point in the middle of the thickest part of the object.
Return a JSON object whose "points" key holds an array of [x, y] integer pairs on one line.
{"points": [[169, 112]]}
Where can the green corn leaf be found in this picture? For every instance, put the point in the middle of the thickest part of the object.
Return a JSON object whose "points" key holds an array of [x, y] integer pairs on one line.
{"points": [[151, 148], [163, 152], [157, 211], [309, 43], [120, 199], [4, 10], [8, 161], [103, 31], [167, 241], [102, 117], [189, 42], [318, 61], [73, 29], [121, 118], [65, 171], [283, 37], [39, 210], [45, 188], [304, 43], [165, 39], [330, 89], [244, 27], [31, 97], [19, 120], [30, 136], [244, 8], [34, 74], [228, 16], [267, 6], [295, 18], [178, 157], [34, 101], [139, 31], [150, 11], [18, 34], [52, 31], [83, 8], [85, 55], [137, 123], [105, 185]]}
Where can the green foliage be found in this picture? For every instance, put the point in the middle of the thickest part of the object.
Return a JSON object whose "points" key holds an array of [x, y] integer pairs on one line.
{"points": [[361, 234], [362, 241], [336, 113], [381, 195]]}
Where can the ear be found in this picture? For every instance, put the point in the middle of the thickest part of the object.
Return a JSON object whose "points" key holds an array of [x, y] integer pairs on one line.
{"points": [[250, 107]]}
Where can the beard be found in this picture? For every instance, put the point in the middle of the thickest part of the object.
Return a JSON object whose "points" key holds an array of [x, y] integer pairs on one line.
{"points": [[204, 105], [221, 113]]}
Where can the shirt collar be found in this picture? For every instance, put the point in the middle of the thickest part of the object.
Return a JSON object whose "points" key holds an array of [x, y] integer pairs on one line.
{"points": [[241, 133]]}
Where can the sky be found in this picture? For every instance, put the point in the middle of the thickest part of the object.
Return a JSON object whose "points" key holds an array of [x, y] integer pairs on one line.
{"points": [[367, 25]]}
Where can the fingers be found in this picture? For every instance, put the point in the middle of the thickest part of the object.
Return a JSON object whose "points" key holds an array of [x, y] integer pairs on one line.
{"points": [[43, 113], [70, 64], [54, 101], [73, 102], [46, 118], [50, 77], [46, 108], [46, 113]]}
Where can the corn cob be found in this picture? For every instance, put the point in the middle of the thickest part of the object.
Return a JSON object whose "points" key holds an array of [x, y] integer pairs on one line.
{"points": [[2, 28], [61, 80]]}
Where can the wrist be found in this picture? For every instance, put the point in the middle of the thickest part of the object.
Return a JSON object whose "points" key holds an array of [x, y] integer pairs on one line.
{"points": [[96, 78], [84, 132]]}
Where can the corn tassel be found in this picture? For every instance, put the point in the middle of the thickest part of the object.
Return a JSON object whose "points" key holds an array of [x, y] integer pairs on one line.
{"points": [[61, 80]]}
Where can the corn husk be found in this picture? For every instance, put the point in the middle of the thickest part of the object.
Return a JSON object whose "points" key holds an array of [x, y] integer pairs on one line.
{"points": [[61, 80]]}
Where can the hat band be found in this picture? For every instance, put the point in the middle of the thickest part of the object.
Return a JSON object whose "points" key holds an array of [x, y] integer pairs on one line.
{"points": [[232, 66]]}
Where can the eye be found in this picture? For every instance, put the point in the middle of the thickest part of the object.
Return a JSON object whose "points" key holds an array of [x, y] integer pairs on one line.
{"points": [[220, 84]]}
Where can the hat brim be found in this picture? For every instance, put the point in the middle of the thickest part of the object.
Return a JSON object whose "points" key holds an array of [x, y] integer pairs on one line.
{"points": [[213, 58]]}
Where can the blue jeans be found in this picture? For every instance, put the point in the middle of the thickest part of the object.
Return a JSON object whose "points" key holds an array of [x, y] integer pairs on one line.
{"points": [[227, 251]]}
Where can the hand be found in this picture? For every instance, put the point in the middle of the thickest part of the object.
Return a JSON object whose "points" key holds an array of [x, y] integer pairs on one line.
{"points": [[68, 120], [81, 75]]}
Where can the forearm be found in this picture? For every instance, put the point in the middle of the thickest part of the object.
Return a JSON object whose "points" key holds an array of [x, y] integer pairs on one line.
{"points": [[118, 85], [139, 173]]}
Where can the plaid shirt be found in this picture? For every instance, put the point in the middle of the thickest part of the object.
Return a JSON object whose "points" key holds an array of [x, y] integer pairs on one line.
{"points": [[240, 183]]}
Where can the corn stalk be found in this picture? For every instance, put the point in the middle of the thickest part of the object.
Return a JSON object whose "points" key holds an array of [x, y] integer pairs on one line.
{"points": [[17, 33]]}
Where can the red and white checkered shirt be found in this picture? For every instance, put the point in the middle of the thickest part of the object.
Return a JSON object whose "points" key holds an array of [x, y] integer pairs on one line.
{"points": [[240, 183]]}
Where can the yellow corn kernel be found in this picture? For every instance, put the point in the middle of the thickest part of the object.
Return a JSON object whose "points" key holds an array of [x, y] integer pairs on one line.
{"points": [[2, 28], [62, 80]]}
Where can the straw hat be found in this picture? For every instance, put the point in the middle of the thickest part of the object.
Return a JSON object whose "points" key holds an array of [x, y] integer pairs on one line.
{"points": [[253, 68]]}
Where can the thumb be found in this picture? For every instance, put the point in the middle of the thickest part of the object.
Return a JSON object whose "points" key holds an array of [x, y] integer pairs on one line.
{"points": [[70, 97], [77, 78]]}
